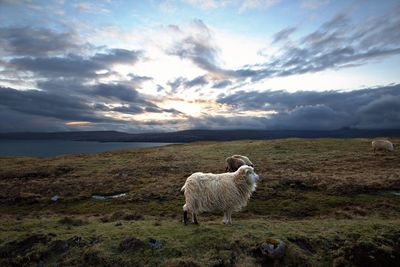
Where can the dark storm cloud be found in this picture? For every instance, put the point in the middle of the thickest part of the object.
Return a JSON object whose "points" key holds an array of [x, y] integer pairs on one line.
{"points": [[102, 92], [53, 67], [130, 109], [34, 102], [316, 117], [13, 121], [74, 65], [367, 108], [117, 92], [118, 56], [223, 122], [49, 110], [29, 41]]}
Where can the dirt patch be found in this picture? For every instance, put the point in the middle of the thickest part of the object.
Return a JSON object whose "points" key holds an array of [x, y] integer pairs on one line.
{"points": [[72, 221], [182, 263], [22, 247], [303, 244], [131, 243], [122, 215], [367, 254]]}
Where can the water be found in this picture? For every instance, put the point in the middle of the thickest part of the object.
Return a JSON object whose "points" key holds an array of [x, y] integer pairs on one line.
{"points": [[103, 197], [49, 148]]}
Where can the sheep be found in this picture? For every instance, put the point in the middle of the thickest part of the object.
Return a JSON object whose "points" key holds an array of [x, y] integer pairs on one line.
{"points": [[382, 145], [235, 161], [226, 192]]}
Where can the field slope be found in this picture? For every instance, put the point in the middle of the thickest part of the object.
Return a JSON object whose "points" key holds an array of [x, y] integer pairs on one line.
{"points": [[332, 201]]}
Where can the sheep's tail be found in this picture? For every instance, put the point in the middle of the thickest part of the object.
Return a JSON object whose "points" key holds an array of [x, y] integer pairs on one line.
{"points": [[183, 188]]}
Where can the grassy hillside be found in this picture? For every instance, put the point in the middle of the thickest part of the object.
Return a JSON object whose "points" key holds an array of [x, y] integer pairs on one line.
{"points": [[333, 201]]}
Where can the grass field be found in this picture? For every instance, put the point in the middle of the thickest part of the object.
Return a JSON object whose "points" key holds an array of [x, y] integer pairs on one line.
{"points": [[332, 201]]}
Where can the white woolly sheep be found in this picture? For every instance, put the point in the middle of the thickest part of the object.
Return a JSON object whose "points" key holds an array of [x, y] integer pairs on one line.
{"points": [[226, 192], [382, 145], [235, 161]]}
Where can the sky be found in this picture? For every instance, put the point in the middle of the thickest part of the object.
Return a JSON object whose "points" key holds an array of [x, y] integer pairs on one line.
{"points": [[171, 65]]}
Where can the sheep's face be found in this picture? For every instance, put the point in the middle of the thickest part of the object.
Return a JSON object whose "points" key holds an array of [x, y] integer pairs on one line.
{"points": [[249, 174]]}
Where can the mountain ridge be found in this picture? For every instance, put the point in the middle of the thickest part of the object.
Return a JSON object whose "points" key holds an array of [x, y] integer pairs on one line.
{"points": [[197, 135]]}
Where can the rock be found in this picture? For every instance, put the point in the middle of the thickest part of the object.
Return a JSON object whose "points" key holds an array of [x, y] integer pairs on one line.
{"points": [[154, 244], [55, 198], [273, 248]]}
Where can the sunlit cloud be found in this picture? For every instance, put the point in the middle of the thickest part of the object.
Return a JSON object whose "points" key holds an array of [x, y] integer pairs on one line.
{"points": [[78, 123]]}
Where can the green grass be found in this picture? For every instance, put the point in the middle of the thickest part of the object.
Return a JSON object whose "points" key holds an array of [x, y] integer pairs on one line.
{"points": [[329, 200]]}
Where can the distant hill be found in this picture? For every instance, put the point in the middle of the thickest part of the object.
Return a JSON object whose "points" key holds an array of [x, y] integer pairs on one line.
{"points": [[196, 135]]}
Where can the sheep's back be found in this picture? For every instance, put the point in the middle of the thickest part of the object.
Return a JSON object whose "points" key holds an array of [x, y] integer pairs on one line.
{"points": [[208, 192], [382, 144]]}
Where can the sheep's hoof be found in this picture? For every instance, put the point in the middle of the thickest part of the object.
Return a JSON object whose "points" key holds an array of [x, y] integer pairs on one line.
{"points": [[196, 223]]}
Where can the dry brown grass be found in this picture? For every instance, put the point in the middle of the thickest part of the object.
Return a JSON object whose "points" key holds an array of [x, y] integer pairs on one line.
{"points": [[338, 166], [328, 199]]}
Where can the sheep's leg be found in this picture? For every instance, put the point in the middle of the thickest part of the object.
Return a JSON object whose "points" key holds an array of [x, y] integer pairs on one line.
{"points": [[225, 218], [194, 218], [229, 216], [185, 215]]}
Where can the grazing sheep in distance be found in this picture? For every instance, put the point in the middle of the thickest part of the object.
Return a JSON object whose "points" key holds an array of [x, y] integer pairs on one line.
{"points": [[235, 161], [226, 192], [382, 145]]}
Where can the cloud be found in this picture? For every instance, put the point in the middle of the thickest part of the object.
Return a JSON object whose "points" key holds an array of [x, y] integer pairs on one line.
{"points": [[118, 56], [35, 102], [50, 108], [366, 108], [383, 112], [337, 43], [198, 46], [91, 8], [222, 84], [183, 83], [252, 4], [219, 122], [13, 121], [312, 117], [29, 41], [208, 4], [72, 65], [283, 35], [198, 81], [129, 109], [314, 4], [117, 92], [175, 84]]}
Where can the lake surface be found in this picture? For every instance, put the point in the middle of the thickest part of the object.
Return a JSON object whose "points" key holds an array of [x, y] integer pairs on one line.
{"points": [[49, 148]]}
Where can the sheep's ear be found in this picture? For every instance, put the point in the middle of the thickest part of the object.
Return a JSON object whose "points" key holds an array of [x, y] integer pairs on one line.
{"points": [[245, 171]]}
